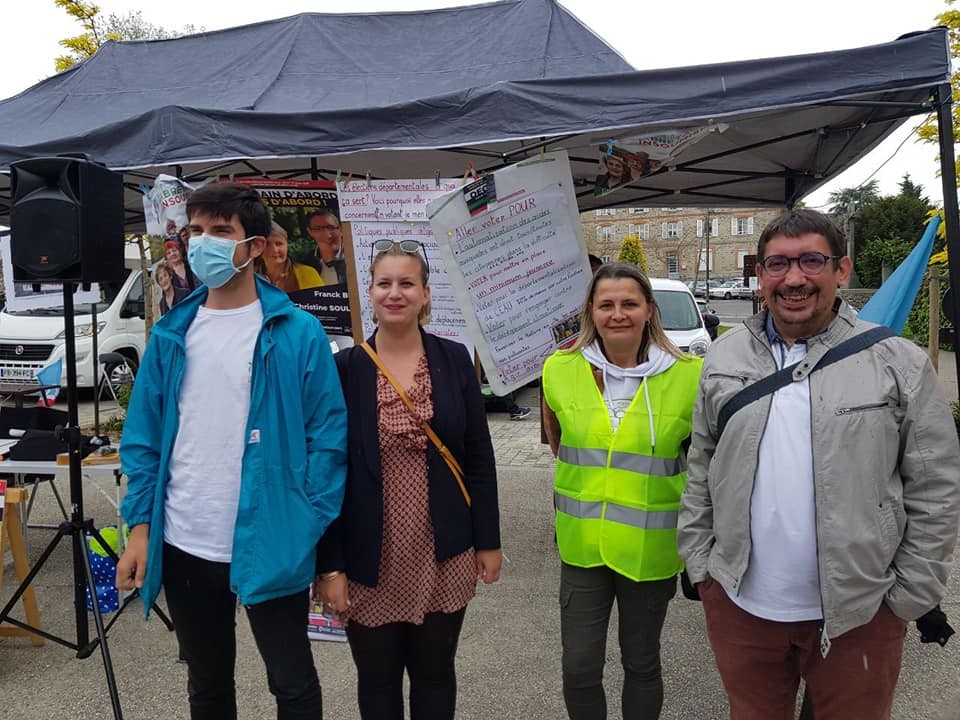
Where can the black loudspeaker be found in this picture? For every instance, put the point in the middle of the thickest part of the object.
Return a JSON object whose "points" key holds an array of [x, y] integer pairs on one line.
{"points": [[66, 221]]}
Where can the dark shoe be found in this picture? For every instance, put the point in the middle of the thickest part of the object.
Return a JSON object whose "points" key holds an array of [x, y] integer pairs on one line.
{"points": [[520, 413]]}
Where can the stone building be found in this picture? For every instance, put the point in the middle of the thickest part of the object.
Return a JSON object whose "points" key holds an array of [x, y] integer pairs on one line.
{"points": [[680, 242]]}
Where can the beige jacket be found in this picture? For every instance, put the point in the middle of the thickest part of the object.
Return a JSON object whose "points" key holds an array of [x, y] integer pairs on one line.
{"points": [[886, 467]]}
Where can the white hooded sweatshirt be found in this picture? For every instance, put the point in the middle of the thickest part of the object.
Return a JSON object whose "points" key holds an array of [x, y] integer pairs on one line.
{"points": [[620, 385]]}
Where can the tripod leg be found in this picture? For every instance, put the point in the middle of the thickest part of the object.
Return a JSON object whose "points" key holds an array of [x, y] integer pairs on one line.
{"points": [[62, 531], [25, 583], [91, 586], [56, 494]]}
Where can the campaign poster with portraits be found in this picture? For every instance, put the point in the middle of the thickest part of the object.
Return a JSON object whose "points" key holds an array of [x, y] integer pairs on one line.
{"points": [[165, 213], [629, 159], [306, 253]]}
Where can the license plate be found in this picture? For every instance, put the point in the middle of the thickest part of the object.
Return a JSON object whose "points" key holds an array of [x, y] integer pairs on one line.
{"points": [[17, 373]]}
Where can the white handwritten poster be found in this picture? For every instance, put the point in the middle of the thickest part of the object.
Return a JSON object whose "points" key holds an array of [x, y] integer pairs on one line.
{"points": [[390, 200], [517, 264], [396, 210]]}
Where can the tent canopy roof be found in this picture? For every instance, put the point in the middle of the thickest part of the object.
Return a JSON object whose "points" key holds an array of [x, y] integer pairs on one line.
{"points": [[413, 94]]}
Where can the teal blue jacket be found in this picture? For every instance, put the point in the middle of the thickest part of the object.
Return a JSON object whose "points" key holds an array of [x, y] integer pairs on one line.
{"points": [[293, 469]]}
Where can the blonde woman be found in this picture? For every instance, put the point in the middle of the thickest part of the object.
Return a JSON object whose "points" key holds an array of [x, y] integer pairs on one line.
{"points": [[404, 557], [618, 410]]}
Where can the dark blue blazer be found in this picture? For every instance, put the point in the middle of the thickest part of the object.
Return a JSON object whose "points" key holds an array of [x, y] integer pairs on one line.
{"points": [[354, 541]]}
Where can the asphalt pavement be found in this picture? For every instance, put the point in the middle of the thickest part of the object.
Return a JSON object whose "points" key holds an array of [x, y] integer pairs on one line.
{"points": [[509, 657]]}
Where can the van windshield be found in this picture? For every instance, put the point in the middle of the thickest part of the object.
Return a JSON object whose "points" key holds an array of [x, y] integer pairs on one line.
{"points": [[108, 293], [678, 311]]}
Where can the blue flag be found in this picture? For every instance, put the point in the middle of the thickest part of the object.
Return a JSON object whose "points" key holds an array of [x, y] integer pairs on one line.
{"points": [[891, 304], [50, 375]]}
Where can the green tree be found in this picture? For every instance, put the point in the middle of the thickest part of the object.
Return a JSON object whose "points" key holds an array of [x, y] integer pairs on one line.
{"points": [[888, 228], [910, 189], [631, 251], [927, 131], [878, 254], [98, 29], [846, 201]]}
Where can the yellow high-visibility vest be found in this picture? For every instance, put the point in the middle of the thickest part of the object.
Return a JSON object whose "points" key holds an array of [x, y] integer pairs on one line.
{"points": [[617, 497]]}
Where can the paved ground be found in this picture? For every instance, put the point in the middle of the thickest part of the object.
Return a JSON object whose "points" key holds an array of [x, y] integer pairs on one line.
{"points": [[509, 653]]}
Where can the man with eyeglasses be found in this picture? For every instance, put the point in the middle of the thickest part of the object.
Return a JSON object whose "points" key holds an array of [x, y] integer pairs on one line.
{"points": [[819, 517], [323, 226]]}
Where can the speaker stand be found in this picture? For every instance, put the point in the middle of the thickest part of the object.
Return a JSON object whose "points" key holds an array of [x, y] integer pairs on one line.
{"points": [[95, 361], [77, 529]]}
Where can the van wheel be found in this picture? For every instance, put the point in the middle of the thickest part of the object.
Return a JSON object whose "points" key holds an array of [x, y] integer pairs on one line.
{"points": [[121, 374]]}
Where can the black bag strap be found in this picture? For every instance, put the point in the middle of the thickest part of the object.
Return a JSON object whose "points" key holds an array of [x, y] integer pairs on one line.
{"points": [[783, 377]]}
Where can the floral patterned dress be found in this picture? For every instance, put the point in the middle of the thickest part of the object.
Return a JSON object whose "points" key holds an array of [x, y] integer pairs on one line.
{"points": [[411, 582]]}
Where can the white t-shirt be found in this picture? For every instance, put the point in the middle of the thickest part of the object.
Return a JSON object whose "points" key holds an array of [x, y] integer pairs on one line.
{"points": [[204, 488], [618, 394], [782, 581]]}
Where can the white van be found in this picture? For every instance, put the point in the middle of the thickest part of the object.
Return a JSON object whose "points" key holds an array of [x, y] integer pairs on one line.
{"points": [[681, 317], [32, 339]]}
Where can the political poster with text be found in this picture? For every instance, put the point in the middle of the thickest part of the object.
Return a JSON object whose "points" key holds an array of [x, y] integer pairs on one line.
{"points": [[396, 210], [517, 264]]}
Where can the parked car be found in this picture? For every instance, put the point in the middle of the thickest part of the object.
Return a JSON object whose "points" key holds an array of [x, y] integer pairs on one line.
{"points": [[731, 289], [682, 320]]}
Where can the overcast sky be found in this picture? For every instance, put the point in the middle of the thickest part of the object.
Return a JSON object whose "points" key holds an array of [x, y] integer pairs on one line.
{"points": [[647, 34]]}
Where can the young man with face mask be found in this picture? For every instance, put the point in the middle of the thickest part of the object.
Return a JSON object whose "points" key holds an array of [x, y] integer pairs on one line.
{"points": [[234, 451]]}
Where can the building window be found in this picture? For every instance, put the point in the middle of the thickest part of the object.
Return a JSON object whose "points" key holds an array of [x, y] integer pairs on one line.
{"points": [[603, 212], [605, 258], [741, 254], [631, 229], [604, 232], [638, 211], [741, 225], [672, 229], [714, 227], [673, 264], [644, 231], [706, 258]]}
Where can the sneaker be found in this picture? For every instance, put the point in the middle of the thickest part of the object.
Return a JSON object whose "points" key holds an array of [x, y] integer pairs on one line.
{"points": [[520, 413]]}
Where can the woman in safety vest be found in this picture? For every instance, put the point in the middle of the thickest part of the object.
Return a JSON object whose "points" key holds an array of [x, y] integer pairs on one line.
{"points": [[617, 412]]}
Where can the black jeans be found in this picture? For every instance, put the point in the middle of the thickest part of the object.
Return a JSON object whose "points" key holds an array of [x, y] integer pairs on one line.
{"points": [[586, 598], [426, 651], [203, 610]]}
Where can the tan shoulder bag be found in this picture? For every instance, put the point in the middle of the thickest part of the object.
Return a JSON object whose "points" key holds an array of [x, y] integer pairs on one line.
{"points": [[441, 448]]}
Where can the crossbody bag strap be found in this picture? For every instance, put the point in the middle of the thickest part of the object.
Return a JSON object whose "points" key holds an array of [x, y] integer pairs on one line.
{"points": [[782, 378], [434, 438]]}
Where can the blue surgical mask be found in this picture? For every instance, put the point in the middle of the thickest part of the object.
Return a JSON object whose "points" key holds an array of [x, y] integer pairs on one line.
{"points": [[211, 258]]}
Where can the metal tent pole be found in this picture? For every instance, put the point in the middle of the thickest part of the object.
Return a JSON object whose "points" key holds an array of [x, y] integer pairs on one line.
{"points": [[948, 175]]}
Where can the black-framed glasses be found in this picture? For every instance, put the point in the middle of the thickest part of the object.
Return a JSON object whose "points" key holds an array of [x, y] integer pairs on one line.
{"points": [[810, 263], [408, 246]]}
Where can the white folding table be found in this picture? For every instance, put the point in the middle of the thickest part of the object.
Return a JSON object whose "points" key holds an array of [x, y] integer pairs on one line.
{"points": [[96, 473]]}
